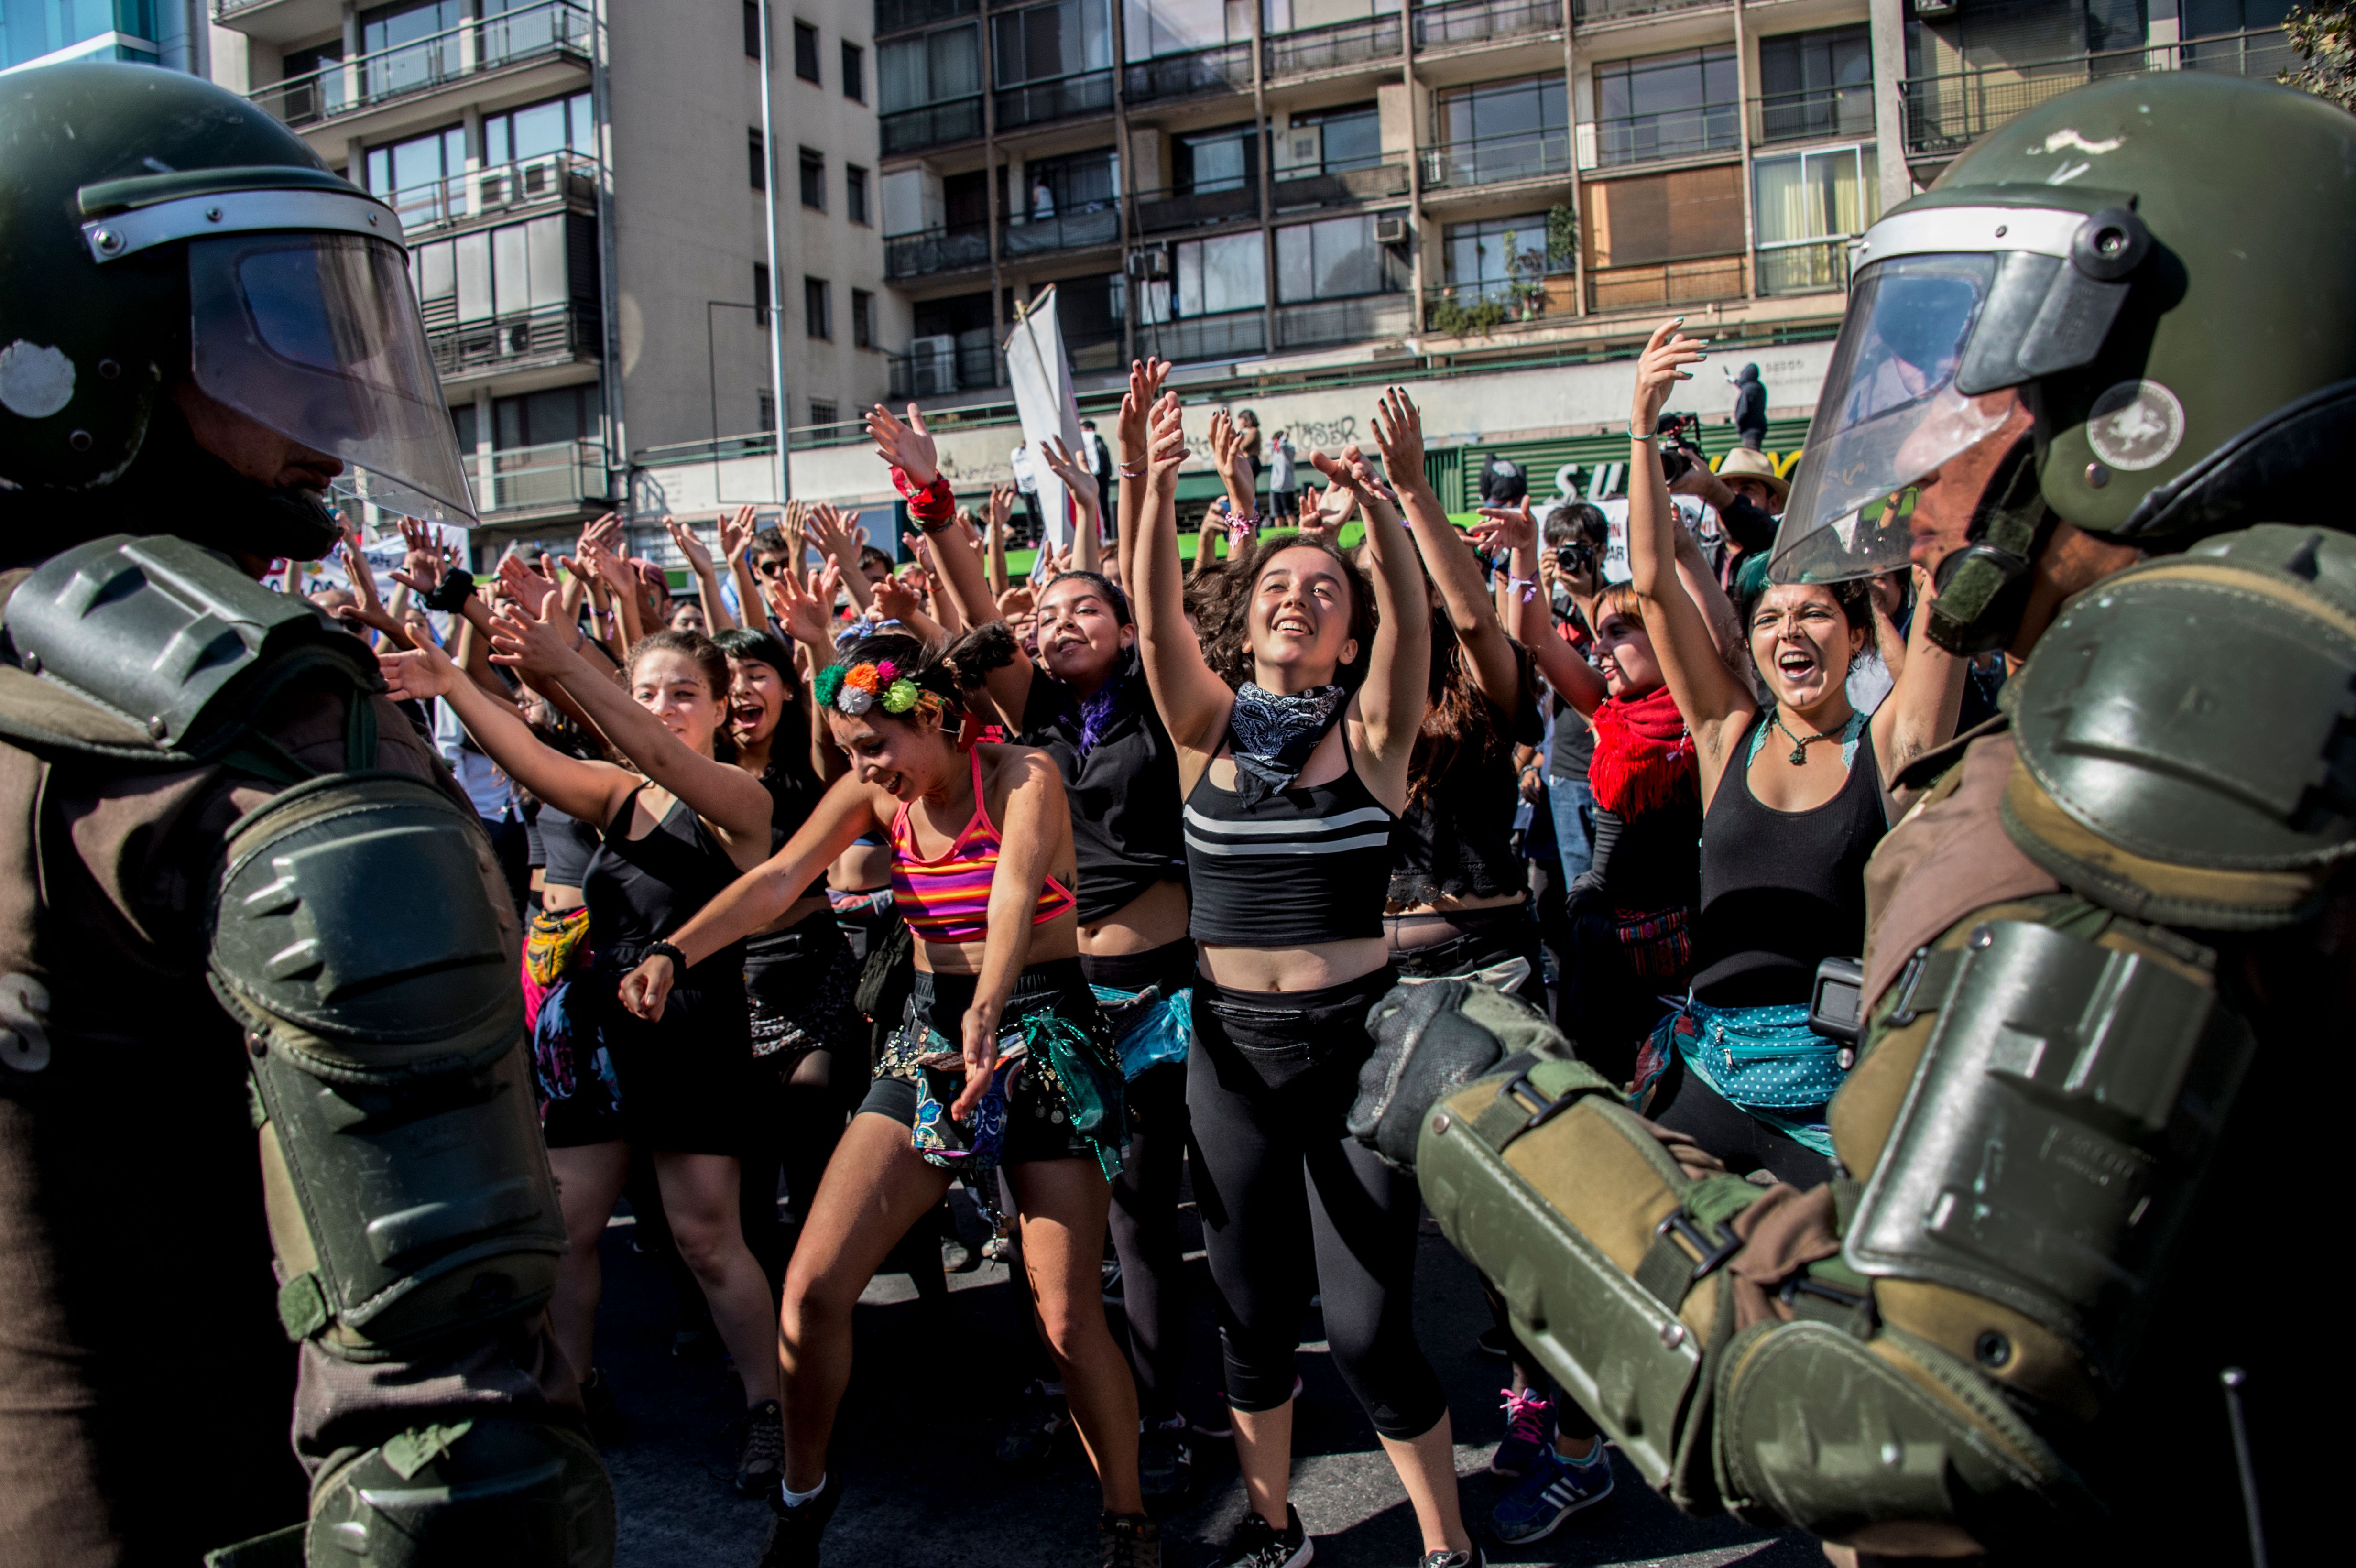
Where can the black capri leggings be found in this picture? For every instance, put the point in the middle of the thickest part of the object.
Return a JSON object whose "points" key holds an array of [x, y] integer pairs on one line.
{"points": [[1277, 1180]]}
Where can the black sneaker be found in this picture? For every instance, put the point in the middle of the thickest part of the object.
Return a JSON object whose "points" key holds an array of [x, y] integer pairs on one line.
{"points": [[761, 1462], [1039, 1419], [606, 1425], [793, 1539], [1166, 1462], [1128, 1540], [1445, 1559], [1255, 1545]]}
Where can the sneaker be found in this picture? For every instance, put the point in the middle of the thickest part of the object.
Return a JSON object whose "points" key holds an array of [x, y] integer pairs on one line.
{"points": [[761, 1462], [1039, 1419], [1166, 1462], [1446, 1559], [606, 1425], [1529, 1426], [1221, 1422], [1553, 1490], [1128, 1540], [1255, 1545], [957, 1257], [793, 1538]]}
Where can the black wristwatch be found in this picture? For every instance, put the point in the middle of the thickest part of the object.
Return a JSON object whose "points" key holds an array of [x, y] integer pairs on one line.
{"points": [[452, 593], [664, 949]]}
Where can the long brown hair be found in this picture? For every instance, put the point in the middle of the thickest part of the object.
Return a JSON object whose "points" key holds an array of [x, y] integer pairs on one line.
{"points": [[1225, 613], [1459, 726]]}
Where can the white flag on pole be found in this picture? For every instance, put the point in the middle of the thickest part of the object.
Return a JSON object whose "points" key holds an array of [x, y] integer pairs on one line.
{"points": [[1042, 378]]}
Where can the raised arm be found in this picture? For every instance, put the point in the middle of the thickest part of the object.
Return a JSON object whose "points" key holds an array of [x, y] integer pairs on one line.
{"points": [[1088, 532], [707, 580], [805, 610], [833, 533], [590, 791], [1391, 702], [1921, 712], [1193, 702], [1000, 512], [1715, 704], [1035, 820], [1446, 554], [1575, 680], [737, 531]]}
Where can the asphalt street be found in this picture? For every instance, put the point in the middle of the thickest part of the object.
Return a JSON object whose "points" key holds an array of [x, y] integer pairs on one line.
{"points": [[929, 1395]]}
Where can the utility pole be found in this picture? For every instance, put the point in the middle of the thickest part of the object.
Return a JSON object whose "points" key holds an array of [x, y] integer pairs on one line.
{"points": [[769, 222]]}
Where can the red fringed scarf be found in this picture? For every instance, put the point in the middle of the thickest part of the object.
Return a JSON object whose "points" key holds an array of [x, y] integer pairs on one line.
{"points": [[932, 505], [1643, 755]]}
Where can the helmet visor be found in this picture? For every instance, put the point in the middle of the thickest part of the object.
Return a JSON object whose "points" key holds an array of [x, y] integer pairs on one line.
{"points": [[318, 337], [1891, 416]]}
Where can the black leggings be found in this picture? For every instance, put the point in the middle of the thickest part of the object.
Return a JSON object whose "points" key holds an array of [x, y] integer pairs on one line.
{"points": [[1278, 1180], [1684, 1104]]}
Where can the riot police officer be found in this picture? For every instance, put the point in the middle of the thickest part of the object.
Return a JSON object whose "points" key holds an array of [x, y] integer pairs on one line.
{"points": [[243, 910], [2094, 380]]}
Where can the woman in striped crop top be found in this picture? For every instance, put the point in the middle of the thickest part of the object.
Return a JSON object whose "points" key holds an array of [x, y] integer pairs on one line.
{"points": [[983, 867]]}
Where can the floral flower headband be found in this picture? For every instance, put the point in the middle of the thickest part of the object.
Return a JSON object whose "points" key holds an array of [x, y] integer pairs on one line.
{"points": [[853, 689]]}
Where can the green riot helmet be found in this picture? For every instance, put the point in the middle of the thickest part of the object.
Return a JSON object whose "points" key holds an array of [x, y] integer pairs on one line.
{"points": [[2130, 308], [155, 229]]}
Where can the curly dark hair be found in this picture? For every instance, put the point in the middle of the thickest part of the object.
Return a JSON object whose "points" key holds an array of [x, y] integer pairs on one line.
{"points": [[1225, 619]]}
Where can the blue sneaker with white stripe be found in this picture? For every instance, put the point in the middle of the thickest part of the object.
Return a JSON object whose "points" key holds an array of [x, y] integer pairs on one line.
{"points": [[1550, 1491]]}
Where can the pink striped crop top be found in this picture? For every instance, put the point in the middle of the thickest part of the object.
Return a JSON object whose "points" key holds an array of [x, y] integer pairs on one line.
{"points": [[948, 901]]}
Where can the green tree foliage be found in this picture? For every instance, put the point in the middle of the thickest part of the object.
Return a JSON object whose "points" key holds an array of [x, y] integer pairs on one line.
{"points": [[2325, 33]]}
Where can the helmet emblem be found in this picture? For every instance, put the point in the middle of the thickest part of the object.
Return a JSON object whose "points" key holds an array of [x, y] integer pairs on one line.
{"points": [[2135, 425], [35, 381]]}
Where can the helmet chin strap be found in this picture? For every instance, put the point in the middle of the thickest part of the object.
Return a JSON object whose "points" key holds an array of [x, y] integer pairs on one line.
{"points": [[1983, 587]]}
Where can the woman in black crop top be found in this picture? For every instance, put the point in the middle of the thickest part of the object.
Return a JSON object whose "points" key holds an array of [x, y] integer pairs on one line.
{"points": [[1292, 784], [673, 836], [1795, 797]]}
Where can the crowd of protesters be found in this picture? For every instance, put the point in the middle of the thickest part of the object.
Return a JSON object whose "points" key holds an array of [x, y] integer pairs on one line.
{"points": [[846, 883]]}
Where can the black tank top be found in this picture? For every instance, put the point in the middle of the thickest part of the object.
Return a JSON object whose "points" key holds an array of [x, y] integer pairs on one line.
{"points": [[1308, 864], [1782, 889], [641, 889]]}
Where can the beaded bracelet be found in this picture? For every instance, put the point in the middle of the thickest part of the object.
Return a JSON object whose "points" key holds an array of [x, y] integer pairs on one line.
{"points": [[1126, 472], [1528, 586]]}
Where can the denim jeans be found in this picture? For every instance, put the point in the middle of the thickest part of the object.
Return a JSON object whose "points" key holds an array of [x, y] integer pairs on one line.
{"points": [[1574, 830]]}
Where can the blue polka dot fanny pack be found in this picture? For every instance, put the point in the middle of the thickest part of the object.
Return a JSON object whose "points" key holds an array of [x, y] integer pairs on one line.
{"points": [[1766, 1061]]}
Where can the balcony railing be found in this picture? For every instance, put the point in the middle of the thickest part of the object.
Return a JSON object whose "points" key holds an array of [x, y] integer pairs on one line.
{"points": [[1803, 267], [936, 124], [1169, 211], [1228, 69], [1945, 114], [935, 250], [899, 16], [1228, 336], [1329, 322], [1588, 11], [1818, 113], [559, 475], [1326, 48], [1478, 21], [969, 366], [1294, 189], [1066, 98], [1477, 309], [1078, 230], [363, 81], [553, 334], [1671, 133], [544, 181], [1493, 160], [1659, 285]]}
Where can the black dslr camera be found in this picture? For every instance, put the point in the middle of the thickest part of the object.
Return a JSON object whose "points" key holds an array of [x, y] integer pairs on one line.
{"points": [[1677, 435]]}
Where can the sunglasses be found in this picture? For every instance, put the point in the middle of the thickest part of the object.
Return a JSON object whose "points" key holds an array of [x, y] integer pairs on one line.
{"points": [[770, 566]]}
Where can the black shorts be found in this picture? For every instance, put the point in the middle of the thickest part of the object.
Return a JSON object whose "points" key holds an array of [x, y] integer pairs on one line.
{"points": [[1038, 1125], [798, 983], [683, 1082]]}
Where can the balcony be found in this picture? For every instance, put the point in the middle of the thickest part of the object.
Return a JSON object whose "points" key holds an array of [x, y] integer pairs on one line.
{"points": [[935, 250], [899, 16], [524, 340], [1478, 309], [935, 125], [1233, 336], [1098, 225], [1330, 48], [1586, 13], [1482, 21], [539, 481], [1066, 98], [1171, 77], [1172, 211], [1496, 160], [1663, 285], [1830, 113], [552, 30], [947, 369], [1804, 267], [1327, 323], [552, 181], [1294, 190], [1945, 114], [1660, 137]]}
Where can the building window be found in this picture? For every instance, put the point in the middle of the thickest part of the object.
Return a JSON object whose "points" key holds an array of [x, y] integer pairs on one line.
{"points": [[854, 194], [1816, 84], [863, 319], [1223, 159], [1329, 140], [818, 309], [515, 270], [1494, 258], [1153, 27], [854, 73], [411, 176], [806, 51], [752, 29], [760, 293], [1807, 207], [814, 180], [941, 67], [1335, 258], [767, 405], [823, 411], [1214, 276], [1667, 106], [1040, 43], [756, 160], [545, 417]]}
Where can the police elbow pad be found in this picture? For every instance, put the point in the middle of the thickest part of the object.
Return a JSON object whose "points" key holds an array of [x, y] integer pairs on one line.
{"points": [[358, 937]]}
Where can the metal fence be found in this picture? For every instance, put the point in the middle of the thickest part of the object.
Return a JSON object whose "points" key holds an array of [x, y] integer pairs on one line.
{"points": [[343, 87], [1205, 337], [1818, 113], [1099, 224], [1172, 211], [1477, 21], [1659, 285], [1295, 189], [1612, 10], [560, 474], [518, 187], [1344, 321], [1228, 69], [899, 16], [1323, 49], [935, 250], [1038, 102], [1491, 160], [551, 335], [1803, 267], [1671, 133], [934, 125], [1947, 114]]}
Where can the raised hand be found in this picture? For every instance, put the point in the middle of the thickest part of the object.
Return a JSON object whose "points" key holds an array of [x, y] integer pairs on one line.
{"points": [[1070, 470], [421, 562], [907, 444], [1505, 528], [833, 535], [805, 607], [1398, 432], [1659, 370], [895, 599], [683, 538], [1001, 507], [422, 672], [529, 589], [538, 645], [1130, 437], [737, 531]]}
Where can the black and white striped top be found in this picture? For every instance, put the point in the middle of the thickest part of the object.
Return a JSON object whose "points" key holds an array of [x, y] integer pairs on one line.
{"points": [[1306, 865]]}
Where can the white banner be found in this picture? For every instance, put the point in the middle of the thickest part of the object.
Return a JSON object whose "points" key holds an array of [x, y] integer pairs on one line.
{"points": [[1041, 380]]}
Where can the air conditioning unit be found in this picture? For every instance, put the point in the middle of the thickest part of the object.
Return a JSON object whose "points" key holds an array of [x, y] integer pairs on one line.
{"points": [[933, 361], [1149, 263], [1390, 229], [1934, 10]]}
